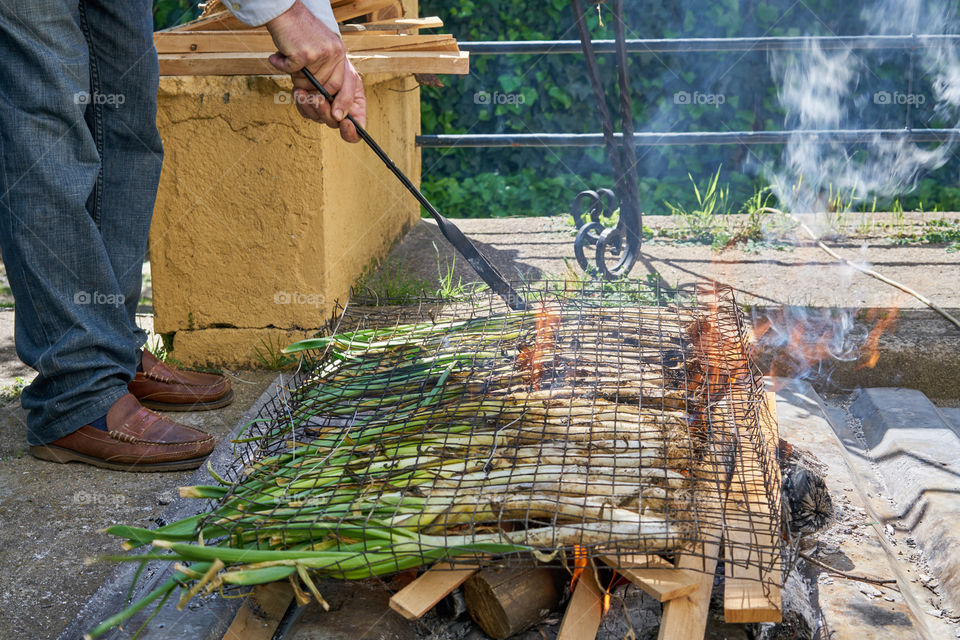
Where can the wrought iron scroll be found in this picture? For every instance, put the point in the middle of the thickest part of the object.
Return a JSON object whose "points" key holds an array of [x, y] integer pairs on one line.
{"points": [[623, 240]]}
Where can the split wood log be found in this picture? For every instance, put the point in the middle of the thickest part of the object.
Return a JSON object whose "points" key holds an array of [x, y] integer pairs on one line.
{"points": [[504, 602]]}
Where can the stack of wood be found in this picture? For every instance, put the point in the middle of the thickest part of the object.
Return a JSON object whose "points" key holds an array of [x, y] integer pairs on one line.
{"points": [[378, 40]]}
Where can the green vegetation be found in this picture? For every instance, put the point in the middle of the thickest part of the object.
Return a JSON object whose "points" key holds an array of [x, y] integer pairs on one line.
{"points": [[269, 354], [938, 231], [556, 97], [393, 282], [552, 93], [12, 392]]}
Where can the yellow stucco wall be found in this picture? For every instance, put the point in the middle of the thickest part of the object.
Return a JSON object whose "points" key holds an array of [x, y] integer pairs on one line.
{"points": [[263, 219]]}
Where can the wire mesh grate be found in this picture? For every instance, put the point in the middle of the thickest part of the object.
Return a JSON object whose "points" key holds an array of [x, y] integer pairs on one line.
{"points": [[607, 419]]}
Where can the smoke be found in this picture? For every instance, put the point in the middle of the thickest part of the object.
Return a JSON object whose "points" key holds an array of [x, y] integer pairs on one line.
{"points": [[845, 89], [848, 89]]}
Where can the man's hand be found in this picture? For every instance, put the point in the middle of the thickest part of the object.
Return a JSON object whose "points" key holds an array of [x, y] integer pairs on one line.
{"points": [[304, 41]]}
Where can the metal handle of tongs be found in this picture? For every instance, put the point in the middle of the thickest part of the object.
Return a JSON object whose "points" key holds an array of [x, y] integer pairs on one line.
{"points": [[487, 272]]}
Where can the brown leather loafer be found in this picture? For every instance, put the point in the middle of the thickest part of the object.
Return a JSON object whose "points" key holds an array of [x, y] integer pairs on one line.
{"points": [[136, 439], [165, 388]]}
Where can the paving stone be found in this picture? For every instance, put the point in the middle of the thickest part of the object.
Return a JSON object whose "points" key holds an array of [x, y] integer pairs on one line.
{"points": [[917, 453]]}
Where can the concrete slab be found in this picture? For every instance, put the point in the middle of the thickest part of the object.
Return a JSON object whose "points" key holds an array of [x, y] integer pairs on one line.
{"points": [[51, 516], [917, 454], [831, 605], [952, 416]]}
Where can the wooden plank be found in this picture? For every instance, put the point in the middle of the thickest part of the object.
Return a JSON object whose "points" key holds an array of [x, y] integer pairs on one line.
{"points": [[654, 575], [219, 21], [751, 573], [584, 612], [255, 63], [685, 618], [435, 584], [261, 612], [260, 40], [370, 42], [429, 22], [359, 8]]}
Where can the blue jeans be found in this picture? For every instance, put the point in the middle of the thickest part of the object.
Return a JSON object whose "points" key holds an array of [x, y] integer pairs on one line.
{"points": [[80, 160]]}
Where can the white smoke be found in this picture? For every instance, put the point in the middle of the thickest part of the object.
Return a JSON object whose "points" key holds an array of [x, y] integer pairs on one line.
{"points": [[831, 89]]}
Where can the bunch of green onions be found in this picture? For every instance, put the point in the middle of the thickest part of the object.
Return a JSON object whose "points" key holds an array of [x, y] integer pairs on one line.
{"points": [[433, 441]]}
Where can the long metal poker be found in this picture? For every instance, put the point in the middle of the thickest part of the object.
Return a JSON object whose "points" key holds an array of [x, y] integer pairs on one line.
{"points": [[487, 272]]}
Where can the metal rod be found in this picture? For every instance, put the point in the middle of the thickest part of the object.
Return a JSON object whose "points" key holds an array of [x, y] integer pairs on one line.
{"points": [[484, 268], [682, 45], [664, 139]]}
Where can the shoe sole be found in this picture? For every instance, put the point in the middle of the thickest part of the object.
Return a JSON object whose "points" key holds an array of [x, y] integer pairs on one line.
{"points": [[196, 406], [63, 456]]}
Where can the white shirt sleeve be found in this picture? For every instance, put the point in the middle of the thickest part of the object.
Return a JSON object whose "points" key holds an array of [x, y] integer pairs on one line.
{"points": [[259, 12]]}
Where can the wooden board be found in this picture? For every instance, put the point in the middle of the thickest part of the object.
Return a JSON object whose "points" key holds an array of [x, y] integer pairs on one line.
{"points": [[260, 40], [218, 21], [428, 22], [584, 612], [427, 590], [752, 570], [660, 579], [255, 63], [685, 618], [357, 8], [213, 41], [261, 612]]}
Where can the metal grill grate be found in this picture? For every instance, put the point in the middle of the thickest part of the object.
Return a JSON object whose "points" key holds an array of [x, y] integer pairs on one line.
{"points": [[606, 418]]}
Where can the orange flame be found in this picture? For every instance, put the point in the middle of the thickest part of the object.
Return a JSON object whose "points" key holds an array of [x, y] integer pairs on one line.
{"points": [[606, 593], [532, 357], [802, 339], [579, 564], [870, 352]]}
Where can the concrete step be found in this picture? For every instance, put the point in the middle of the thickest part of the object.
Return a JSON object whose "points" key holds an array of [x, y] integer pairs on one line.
{"points": [[831, 605], [916, 453], [952, 416]]}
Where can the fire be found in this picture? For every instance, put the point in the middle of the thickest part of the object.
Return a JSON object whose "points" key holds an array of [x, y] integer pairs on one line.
{"points": [[870, 351], [579, 564], [531, 357], [801, 339]]}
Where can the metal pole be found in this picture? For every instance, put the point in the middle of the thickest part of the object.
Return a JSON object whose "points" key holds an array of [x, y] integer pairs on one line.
{"points": [[665, 139], [686, 45]]}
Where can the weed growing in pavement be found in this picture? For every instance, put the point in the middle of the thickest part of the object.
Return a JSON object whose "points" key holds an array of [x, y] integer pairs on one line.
{"points": [[269, 354], [12, 392]]}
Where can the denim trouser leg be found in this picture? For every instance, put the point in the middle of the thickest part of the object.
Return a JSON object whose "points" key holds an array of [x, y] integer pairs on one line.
{"points": [[124, 66], [70, 184]]}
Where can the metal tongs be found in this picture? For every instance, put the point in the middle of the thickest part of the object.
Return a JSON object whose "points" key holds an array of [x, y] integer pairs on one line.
{"points": [[487, 272]]}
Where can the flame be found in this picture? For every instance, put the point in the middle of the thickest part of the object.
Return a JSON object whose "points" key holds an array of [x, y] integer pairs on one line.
{"points": [[579, 564], [532, 357], [870, 351], [606, 594], [801, 340]]}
